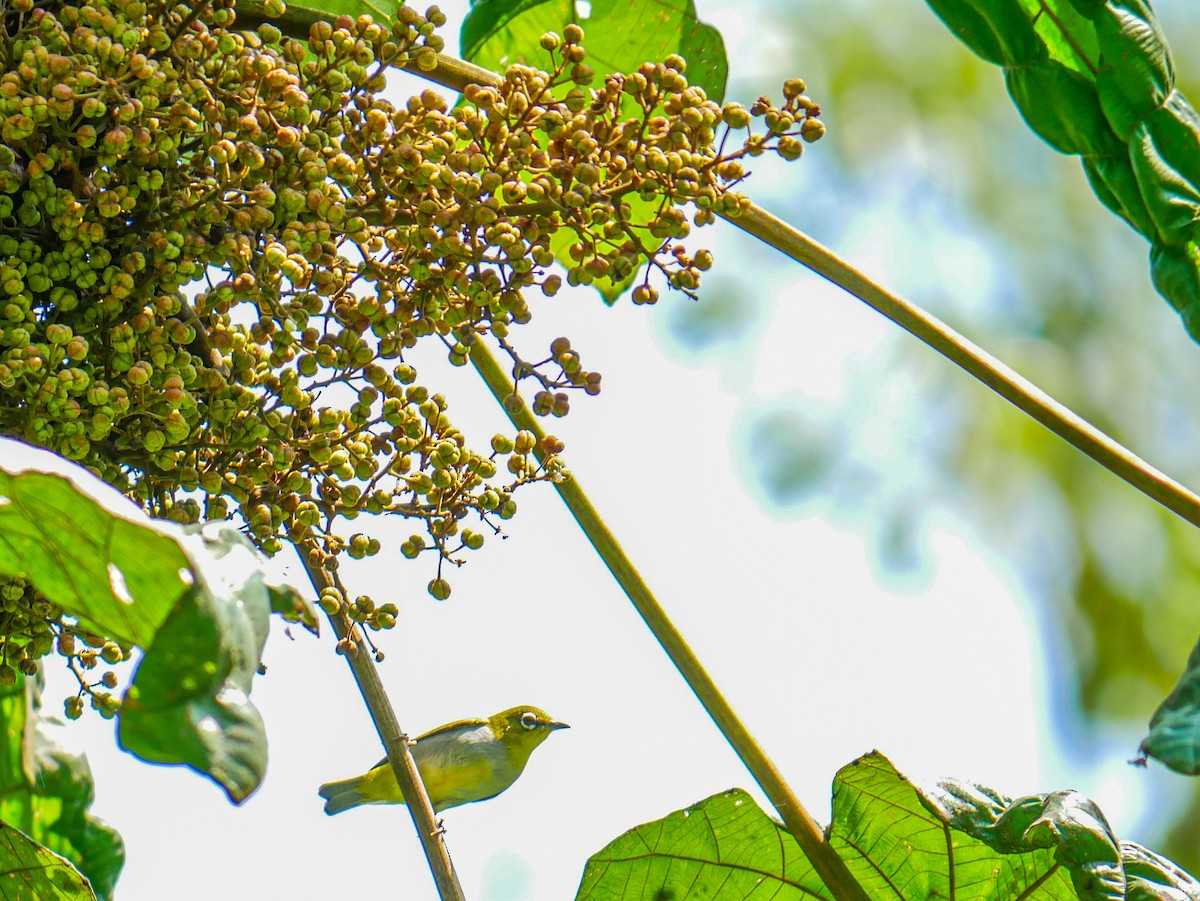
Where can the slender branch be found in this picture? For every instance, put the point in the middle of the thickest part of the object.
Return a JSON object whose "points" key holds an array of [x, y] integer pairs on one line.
{"points": [[295, 22], [1013, 387], [824, 859], [416, 799], [456, 74]]}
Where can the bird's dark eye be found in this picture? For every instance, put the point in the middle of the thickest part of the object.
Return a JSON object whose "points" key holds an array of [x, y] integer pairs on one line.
{"points": [[529, 720]]}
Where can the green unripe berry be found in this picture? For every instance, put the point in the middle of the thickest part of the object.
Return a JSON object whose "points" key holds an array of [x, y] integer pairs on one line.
{"points": [[440, 589], [794, 87], [735, 115], [330, 605], [154, 440], [789, 148], [58, 334], [644, 294], [111, 653]]}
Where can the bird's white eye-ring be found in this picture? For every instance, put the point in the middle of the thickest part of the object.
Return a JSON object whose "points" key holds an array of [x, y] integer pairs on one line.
{"points": [[529, 720]]}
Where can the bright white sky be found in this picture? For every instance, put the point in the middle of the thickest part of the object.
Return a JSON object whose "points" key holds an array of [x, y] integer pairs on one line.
{"points": [[944, 674]]}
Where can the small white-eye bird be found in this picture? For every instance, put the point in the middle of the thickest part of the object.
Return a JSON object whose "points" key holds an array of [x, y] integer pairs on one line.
{"points": [[460, 762]]}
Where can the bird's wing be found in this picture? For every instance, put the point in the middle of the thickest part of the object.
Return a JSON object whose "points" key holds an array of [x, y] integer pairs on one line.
{"points": [[463, 763], [449, 730], [455, 727]]}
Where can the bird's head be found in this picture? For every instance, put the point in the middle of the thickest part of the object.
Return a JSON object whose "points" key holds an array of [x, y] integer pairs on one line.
{"points": [[521, 729]]}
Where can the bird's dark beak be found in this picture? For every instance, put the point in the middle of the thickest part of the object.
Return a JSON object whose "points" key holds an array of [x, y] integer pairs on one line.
{"points": [[554, 725]]}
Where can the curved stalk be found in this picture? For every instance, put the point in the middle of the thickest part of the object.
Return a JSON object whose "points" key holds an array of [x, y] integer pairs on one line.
{"points": [[416, 799]]}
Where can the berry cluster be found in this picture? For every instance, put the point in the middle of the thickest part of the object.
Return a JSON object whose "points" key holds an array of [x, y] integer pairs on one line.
{"points": [[217, 244], [31, 627]]}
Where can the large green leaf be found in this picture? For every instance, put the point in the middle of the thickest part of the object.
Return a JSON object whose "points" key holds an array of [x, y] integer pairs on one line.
{"points": [[87, 548], [1067, 826], [619, 38], [46, 792], [196, 601], [950, 839], [722, 848], [31, 872], [1095, 79], [1174, 737], [190, 699]]}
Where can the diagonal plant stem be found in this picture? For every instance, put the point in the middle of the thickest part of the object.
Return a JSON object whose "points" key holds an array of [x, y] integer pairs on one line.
{"points": [[457, 74], [808, 834], [1010, 385], [400, 758], [1022, 393]]}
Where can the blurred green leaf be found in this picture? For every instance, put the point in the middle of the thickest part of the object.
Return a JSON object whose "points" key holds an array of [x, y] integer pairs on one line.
{"points": [[30, 872], [951, 839], [790, 459], [1096, 80], [190, 699], [46, 792]]}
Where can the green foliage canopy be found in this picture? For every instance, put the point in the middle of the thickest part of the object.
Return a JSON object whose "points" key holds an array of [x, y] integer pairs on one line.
{"points": [[1095, 79]]}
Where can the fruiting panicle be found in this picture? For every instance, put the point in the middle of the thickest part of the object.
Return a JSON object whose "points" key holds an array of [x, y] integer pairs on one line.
{"points": [[218, 244]]}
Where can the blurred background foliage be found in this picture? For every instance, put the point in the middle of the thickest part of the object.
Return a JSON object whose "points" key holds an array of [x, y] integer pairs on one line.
{"points": [[929, 177]]}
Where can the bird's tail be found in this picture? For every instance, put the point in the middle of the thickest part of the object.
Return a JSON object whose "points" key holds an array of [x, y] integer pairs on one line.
{"points": [[342, 795]]}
